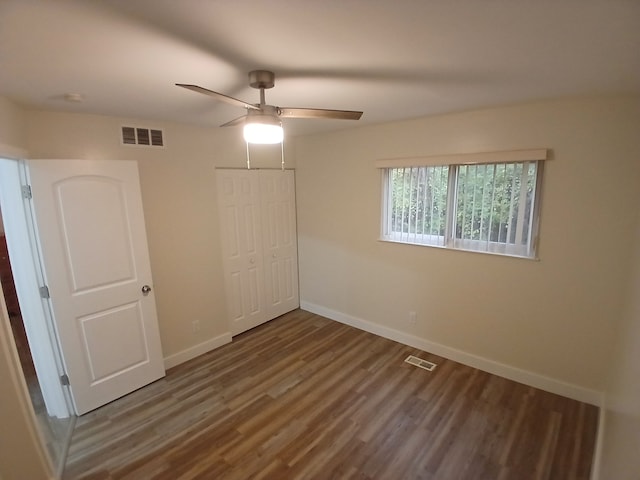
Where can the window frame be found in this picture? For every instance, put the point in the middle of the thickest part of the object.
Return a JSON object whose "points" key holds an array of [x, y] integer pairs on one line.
{"points": [[454, 163]]}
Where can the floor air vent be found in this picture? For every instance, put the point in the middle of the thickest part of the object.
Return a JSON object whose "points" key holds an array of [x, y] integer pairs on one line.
{"points": [[418, 362]]}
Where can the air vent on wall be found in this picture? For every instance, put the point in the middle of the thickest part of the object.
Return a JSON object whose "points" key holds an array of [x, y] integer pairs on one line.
{"points": [[142, 136]]}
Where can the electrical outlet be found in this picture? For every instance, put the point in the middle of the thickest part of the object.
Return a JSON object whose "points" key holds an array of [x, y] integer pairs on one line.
{"points": [[195, 326], [412, 318]]}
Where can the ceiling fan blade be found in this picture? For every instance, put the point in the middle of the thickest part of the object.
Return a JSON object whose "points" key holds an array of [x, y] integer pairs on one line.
{"points": [[319, 113], [219, 96], [234, 122]]}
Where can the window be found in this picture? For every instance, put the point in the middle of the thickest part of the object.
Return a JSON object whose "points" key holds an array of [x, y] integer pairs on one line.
{"points": [[486, 207]]}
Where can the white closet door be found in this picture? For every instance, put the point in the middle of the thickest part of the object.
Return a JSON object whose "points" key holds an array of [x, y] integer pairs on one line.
{"points": [[277, 191], [258, 227], [239, 207]]}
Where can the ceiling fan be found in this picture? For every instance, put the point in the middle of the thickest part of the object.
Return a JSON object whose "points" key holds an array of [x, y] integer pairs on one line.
{"points": [[262, 121]]}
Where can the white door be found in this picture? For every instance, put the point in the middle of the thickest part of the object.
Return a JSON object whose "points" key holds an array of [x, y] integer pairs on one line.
{"points": [[257, 221], [277, 197], [239, 197], [91, 227]]}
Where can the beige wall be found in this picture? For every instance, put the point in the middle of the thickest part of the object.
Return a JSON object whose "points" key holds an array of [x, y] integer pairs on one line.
{"points": [[179, 199], [555, 317], [12, 125], [621, 437]]}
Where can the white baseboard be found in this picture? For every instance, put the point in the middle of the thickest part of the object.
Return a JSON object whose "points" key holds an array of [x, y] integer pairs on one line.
{"points": [[196, 350], [526, 377]]}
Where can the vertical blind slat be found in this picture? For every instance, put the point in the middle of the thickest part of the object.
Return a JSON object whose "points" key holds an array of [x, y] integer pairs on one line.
{"points": [[511, 199], [501, 204], [439, 227], [415, 205], [531, 202], [524, 182], [493, 198], [428, 197], [483, 209], [473, 203], [403, 211], [464, 169]]}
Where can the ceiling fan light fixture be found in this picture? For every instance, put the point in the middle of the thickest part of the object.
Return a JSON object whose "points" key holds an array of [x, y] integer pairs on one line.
{"points": [[263, 133], [263, 129]]}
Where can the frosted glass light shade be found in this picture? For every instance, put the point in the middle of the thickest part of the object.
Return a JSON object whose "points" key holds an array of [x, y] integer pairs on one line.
{"points": [[263, 133]]}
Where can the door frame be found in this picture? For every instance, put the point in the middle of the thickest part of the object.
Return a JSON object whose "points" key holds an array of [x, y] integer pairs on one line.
{"points": [[24, 250]]}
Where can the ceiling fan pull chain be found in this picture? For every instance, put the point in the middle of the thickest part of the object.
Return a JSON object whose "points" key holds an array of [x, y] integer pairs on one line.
{"points": [[248, 160], [282, 153]]}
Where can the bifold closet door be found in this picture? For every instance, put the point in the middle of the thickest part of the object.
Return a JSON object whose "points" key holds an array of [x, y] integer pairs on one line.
{"points": [[279, 241], [257, 223]]}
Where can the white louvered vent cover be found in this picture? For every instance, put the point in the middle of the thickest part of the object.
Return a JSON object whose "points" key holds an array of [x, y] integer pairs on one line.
{"points": [[142, 136], [418, 362]]}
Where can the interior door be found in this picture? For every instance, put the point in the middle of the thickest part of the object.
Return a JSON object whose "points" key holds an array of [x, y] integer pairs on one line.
{"points": [[91, 228], [239, 197], [277, 197]]}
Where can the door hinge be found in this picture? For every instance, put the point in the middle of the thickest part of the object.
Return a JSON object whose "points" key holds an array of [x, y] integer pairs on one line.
{"points": [[26, 192], [44, 292], [64, 380]]}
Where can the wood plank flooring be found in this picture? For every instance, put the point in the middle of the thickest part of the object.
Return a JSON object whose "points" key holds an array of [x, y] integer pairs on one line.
{"points": [[303, 397]]}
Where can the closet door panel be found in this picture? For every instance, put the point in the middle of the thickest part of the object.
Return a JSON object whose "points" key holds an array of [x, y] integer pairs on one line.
{"points": [[239, 207], [277, 190]]}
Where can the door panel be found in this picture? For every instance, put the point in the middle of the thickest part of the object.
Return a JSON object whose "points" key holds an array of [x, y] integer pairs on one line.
{"points": [[113, 341], [281, 249], [84, 235], [94, 249], [238, 195]]}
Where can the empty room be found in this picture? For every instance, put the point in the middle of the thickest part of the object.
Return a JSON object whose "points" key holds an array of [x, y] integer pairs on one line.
{"points": [[320, 239]]}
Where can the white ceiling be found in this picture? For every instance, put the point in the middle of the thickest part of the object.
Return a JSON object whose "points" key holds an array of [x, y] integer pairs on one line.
{"points": [[392, 59]]}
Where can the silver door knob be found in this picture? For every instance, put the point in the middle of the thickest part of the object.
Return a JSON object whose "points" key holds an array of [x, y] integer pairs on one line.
{"points": [[146, 289]]}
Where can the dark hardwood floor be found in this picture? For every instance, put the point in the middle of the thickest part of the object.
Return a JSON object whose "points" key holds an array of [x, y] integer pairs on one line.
{"points": [[303, 397]]}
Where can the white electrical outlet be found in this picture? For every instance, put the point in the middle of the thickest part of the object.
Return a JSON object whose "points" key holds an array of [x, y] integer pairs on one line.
{"points": [[412, 318], [195, 326]]}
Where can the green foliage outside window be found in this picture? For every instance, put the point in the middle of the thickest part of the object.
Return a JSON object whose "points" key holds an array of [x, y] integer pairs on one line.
{"points": [[492, 203]]}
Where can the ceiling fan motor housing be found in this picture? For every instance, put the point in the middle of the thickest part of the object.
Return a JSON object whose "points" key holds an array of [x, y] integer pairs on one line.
{"points": [[262, 79]]}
